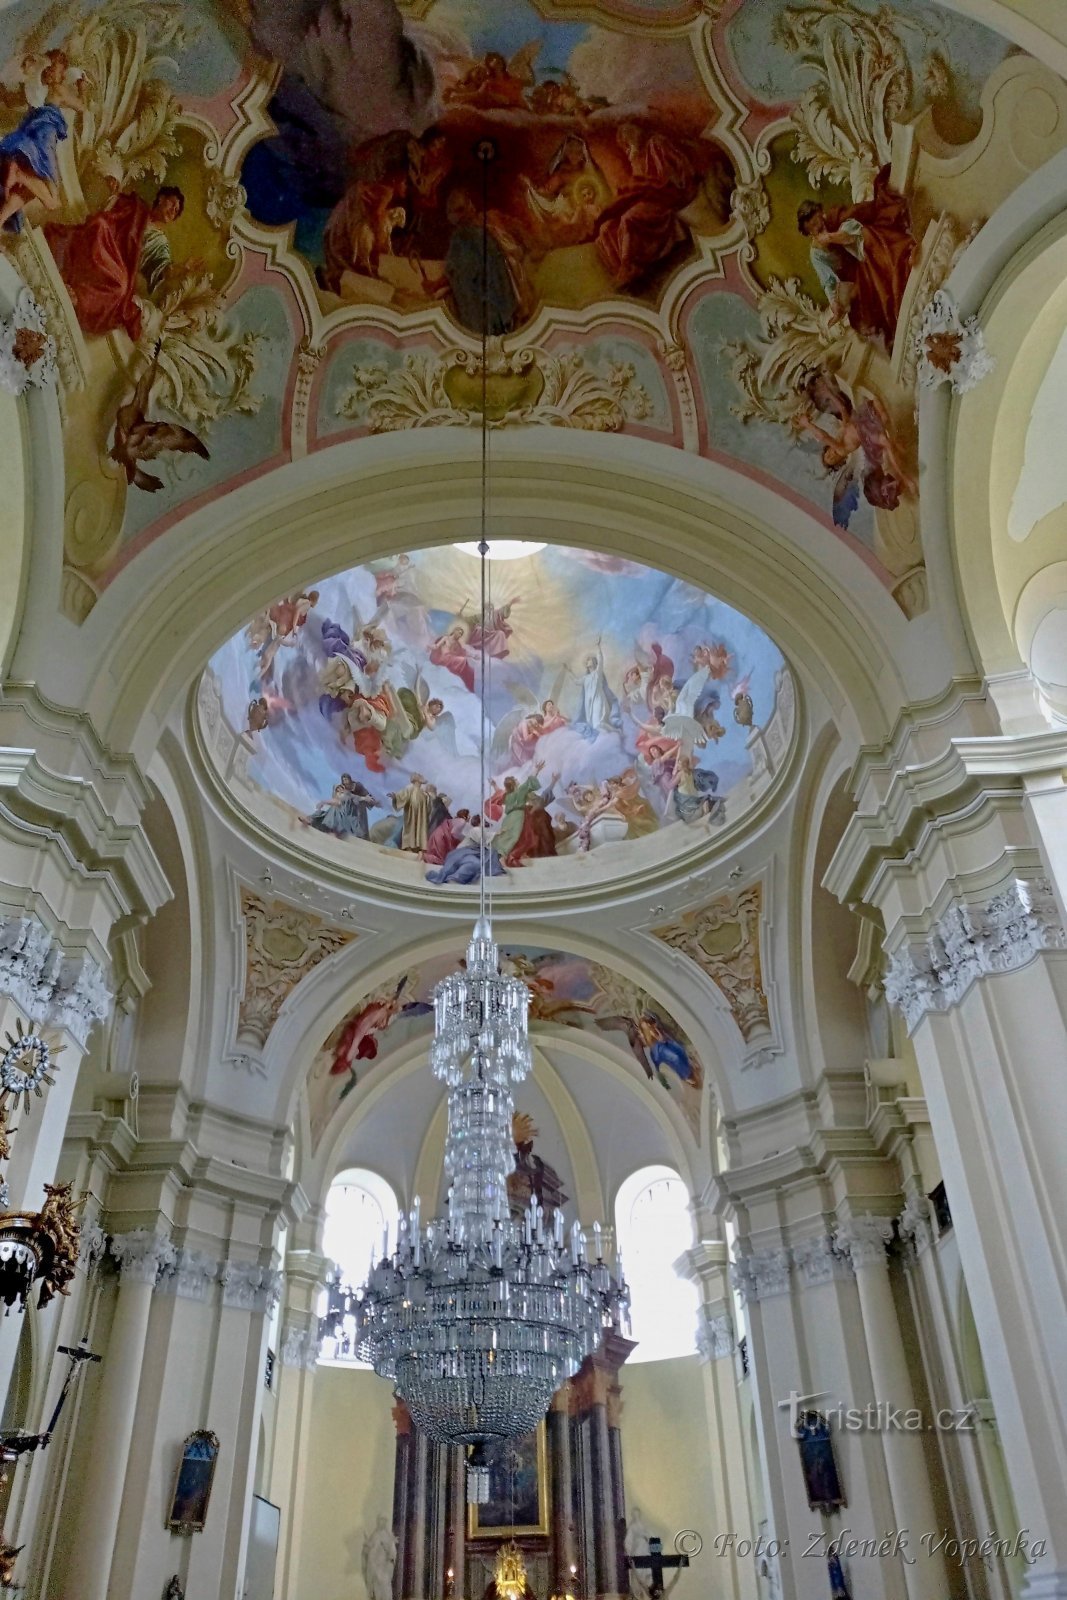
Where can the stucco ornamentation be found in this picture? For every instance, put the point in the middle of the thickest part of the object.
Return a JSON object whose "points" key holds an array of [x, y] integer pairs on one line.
{"points": [[64, 991], [282, 945], [951, 349], [723, 938]]}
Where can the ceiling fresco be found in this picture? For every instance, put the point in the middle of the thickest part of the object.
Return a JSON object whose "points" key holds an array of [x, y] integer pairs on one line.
{"points": [[623, 704], [565, 991], [254, 233]]}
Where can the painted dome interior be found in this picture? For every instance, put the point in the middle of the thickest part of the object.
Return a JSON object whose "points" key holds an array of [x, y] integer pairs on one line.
{"points": [[628, 712]]}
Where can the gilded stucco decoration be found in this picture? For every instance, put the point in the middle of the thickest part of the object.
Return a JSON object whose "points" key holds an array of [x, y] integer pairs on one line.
{"points": [[282, 945], [723, 938]]}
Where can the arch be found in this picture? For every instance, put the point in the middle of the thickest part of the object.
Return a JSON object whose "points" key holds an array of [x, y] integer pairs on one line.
{"points": [[145, 641]]}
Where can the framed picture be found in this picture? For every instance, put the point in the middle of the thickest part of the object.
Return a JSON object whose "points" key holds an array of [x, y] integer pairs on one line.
{"points": [[817, 1458], [518, 1489], [192, 1487]]}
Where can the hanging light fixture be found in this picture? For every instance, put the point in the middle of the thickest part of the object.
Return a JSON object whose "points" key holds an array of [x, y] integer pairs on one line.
{"points": [[478, 1317]]}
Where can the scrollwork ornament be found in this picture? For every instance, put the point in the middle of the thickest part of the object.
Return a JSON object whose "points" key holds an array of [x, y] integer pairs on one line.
{"points": [[27, 1062]]}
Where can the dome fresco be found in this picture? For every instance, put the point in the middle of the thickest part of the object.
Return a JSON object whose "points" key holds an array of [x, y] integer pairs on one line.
{"points": [[623, 704], [253, 231]]}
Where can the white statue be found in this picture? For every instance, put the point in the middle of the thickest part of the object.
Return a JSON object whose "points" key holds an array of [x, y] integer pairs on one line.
{"points": [[379, 1559], [636, 1544]]}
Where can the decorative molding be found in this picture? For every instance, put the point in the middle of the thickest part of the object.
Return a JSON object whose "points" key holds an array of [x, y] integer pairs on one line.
{"points": [[247, 1286], [715, 1336], [865, 1240], [723, 939], [915, 1222], [951, 349], [433, 391], [92, 1247], [191, 1276], [970, 942], [64, 991], [761, 1274], [282, 945], [28, 354], [142, 1256], [821, 1259], [750, 206], [300, 1347]]}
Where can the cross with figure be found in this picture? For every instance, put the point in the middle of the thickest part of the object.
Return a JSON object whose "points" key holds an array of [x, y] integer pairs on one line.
{"points": [[656, 1562]]}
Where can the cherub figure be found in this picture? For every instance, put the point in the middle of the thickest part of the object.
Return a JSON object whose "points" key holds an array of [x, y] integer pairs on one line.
{"points": [[861, 454], [29, 160]]}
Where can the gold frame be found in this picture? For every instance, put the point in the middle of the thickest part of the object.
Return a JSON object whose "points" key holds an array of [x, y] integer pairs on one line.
{"points": [[520, 1530], [175, 1524]]}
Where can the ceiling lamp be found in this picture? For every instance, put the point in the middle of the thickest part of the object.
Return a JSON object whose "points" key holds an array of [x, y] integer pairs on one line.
{"points": [[477, 1317]]}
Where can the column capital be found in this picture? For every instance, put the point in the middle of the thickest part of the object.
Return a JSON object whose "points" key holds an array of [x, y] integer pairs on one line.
{"points": [[820, 1260], [300, 1346], [865, 1240], [53, 987], [716, 1338], [192, 1275], [971, 940], [142, 1255], [761, 1274], [248, 1286], [92, 1247], [915, 1221]]}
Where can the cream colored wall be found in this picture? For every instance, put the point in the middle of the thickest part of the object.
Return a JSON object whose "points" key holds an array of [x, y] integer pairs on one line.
{"points": [[666, 1456], [348, 1484]]}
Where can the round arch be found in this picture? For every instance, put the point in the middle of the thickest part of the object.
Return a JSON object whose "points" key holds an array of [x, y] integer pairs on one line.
{"points": [[826, 608]]}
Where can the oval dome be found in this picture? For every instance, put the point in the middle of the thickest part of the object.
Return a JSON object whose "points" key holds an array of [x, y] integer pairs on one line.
{"points": [[631, 717]]}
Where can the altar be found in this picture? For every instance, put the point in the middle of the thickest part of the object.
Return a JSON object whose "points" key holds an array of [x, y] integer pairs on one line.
{"points": [[558, 1493]]}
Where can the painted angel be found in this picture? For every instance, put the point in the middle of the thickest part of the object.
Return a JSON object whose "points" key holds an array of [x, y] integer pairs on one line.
{"points": [[36, 89], [452, 651], [862, 454], [497, 82]]}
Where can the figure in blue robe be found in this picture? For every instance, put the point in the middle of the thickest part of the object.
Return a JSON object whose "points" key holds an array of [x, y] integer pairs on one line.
{"points": [[461, 866], [30, 148]]}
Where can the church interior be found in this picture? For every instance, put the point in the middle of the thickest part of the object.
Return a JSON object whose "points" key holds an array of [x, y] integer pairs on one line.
{"points": [[533, 799]]}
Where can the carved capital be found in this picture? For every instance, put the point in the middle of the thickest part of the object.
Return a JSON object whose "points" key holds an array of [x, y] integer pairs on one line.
{"points": [[63, 991], [247, 1286], [865, 1241], [192, 1275], [972, 941], [915, 1222], [761, 1274], [142, 1255], [300, 1347], [92, 1247], [821, 1260], [715, 1336]]}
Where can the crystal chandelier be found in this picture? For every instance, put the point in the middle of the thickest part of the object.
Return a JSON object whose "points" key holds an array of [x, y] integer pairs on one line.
{"points": [[478, 1317]]}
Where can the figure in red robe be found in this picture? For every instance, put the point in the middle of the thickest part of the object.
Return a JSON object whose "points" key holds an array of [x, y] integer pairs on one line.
{"points": [[863, 256], [446, 837], [537, 836], [100, 259], [450, 651], [641, 228]]}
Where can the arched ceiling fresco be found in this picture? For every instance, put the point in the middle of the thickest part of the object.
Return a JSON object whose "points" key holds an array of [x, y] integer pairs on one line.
{"points": [[565, 991], [253, 232], [631, 716]]}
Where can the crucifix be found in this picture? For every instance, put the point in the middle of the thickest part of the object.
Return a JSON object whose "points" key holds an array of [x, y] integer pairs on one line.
{"points": [[656, 1561]]}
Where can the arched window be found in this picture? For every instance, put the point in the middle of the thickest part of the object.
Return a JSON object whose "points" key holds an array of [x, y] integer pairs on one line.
{"points": [[361, 1208], [653, 1227]]}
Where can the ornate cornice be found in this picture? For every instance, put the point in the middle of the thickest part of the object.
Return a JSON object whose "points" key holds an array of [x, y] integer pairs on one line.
{"points": [[247, 1286], [142, 1255], [865, 1241], [49, 986], [971, 941], [820, 1260], [282, 945], [761, 1274]]}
